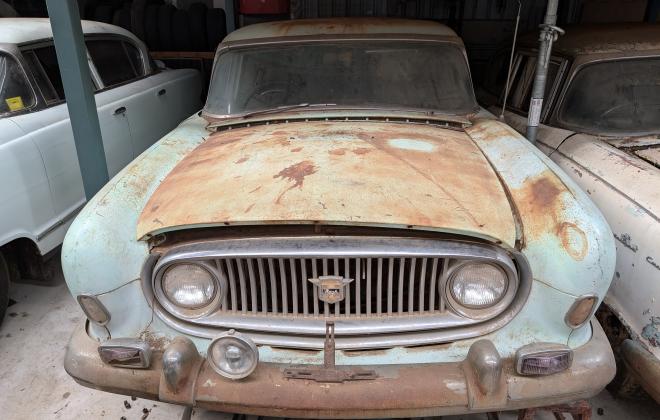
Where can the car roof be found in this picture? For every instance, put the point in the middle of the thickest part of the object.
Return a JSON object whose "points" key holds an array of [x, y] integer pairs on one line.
{"points": [[339, 26], [586, 39], [24, 30]]}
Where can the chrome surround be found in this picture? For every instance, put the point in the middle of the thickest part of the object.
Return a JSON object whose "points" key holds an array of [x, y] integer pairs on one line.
{"points": [[242, 338], [480, 312], [191, 313], [537, 349], [100, 306], [368, 332], [575, 304]]}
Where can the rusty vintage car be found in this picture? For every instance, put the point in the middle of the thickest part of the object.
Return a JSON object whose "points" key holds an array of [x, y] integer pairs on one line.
{"points": [[601, 124], [341, 232]]}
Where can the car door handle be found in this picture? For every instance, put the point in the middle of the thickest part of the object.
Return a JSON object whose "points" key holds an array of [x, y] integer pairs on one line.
{"points": [[162, 92], [121, 110]]}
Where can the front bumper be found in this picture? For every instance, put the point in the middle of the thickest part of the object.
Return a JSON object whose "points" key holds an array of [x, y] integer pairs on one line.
{"points": [[644, 366], [399, 391]]}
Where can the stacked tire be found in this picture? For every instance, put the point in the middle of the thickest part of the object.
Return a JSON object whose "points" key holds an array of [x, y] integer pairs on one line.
{"points": [[161, 26]]}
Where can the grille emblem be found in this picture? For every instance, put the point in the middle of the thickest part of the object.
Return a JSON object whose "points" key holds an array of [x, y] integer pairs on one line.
{"points": [[331, 288]]}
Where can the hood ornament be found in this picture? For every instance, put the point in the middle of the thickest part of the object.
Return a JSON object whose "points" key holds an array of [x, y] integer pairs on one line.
{"points": [[331, 288]]}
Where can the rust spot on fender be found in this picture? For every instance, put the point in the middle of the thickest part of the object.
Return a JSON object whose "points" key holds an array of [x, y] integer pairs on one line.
{"points": [[295, 173], [541, 201], [544, 192], [573, 239]]}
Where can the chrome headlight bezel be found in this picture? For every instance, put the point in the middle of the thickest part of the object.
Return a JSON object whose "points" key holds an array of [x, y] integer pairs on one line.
{"points": [[481, 312], [190, 313]]}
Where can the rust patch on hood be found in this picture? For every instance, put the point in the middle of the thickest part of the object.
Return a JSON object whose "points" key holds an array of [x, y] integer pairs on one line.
{"points": [[387, 174], [295, 173]]}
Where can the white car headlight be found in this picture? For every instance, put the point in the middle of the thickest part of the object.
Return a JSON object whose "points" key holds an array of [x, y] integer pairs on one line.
{"points": [[478, 285], [189, 286]]}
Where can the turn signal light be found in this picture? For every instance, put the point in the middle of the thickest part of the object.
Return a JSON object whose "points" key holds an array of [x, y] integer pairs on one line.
{"points": [[543, 359], [580, 311], [94, 309]]}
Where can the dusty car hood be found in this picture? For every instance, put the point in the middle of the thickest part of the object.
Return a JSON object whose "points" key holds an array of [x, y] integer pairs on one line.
{"points": [[349, 173]]}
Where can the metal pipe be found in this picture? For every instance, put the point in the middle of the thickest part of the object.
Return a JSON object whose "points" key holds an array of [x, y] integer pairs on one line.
{"points": [[79, 92], [549, 33]]}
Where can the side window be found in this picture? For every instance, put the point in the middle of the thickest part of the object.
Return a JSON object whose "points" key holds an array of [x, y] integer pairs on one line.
{"points": [[15, 90], [114, 61], [40, 76], [48, 60], [522, 81], [135, 57]]}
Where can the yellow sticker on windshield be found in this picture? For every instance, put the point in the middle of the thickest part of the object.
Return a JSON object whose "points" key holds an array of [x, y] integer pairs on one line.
{"points": [[15, 103]]}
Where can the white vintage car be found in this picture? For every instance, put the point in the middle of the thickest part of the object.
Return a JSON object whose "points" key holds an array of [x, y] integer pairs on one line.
{"points": [[601, 124], [41, 188]]}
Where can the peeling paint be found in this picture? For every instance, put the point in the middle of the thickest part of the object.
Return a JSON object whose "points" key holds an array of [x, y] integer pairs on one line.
{"points": [[625, 240], [651, 331]]}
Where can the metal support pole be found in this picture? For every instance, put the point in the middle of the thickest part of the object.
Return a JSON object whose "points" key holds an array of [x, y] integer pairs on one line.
{"points": [[230, 15], [549, 34], [77, 81]]}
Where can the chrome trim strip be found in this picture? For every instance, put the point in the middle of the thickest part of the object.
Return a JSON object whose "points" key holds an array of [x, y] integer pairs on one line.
{"points": [[60, 222], [368, 332]]}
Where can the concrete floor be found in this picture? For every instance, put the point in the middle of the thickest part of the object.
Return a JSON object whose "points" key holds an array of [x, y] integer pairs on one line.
{"points": [[34, 385]]}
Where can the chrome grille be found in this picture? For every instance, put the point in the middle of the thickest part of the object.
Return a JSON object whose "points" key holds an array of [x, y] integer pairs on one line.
{"points": [[395, 299], [393, 285]]}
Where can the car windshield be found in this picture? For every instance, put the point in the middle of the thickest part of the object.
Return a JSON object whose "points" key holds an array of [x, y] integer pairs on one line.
{"points": [[429, 76], [615, 97]]}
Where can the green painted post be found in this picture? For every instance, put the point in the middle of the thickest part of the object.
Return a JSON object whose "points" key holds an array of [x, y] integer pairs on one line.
{"points": [[79, 91]]}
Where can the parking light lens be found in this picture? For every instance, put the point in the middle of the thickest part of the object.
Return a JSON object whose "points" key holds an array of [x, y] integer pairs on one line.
{"points": [[233, 355], [478, 285], [543, 359], [189, 286]]}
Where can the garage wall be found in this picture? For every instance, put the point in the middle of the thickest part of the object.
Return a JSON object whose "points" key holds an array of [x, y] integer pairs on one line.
{"points": [[484, 25]]}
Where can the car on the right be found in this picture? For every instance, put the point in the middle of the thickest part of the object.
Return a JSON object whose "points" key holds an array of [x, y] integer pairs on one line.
{"points": [[600, 122]]}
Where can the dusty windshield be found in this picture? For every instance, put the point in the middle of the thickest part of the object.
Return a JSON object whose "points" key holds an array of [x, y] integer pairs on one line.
{"points": [[405, 75], [615, 97]]}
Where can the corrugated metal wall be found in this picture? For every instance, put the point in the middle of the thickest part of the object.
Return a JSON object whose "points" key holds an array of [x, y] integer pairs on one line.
{"points": [[484, 25]]}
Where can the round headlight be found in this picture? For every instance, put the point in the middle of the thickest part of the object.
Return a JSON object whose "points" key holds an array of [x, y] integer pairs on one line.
{"points": [[233, 355], [478, 285], [189, 286]]}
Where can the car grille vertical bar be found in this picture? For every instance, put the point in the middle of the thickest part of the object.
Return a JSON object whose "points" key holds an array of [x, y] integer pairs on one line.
{"points": [[432, 289], [304, 282], [411, 284], [358, 288], [347, 298], [273, 285]]}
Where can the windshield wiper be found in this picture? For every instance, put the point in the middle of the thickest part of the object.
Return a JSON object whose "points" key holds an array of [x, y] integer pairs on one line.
{"points": [[283, 108]]}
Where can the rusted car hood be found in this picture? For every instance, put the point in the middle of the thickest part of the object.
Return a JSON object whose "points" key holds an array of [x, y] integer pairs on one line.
{"points": [[349, 173]]}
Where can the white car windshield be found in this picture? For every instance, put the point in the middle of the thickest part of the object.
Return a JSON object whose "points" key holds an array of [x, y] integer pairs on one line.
{"points": [[615, 97], [399, 75]]}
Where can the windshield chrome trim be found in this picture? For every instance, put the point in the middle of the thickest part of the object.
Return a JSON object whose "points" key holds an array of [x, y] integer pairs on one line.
{"points": [[223, 48]]}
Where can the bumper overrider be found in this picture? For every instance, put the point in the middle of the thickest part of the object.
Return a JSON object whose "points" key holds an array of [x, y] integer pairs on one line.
{"points": [[481, 382]]}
